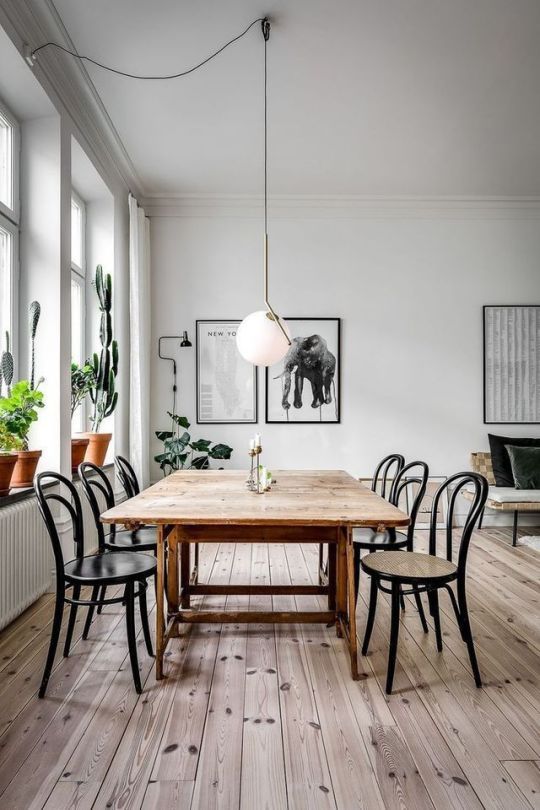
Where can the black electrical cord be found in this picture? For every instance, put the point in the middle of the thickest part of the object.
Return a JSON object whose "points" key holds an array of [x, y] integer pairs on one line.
{"points": [[151, 78]]}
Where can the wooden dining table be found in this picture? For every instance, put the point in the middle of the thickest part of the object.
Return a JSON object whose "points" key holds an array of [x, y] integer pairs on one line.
{"points": [[208, 506]]}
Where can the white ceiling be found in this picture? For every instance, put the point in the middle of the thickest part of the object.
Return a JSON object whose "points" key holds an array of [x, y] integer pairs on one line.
{"points": [[366, 97]]}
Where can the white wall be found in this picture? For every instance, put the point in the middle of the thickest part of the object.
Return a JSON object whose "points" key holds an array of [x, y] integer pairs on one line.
{"points": [[408, 282]]}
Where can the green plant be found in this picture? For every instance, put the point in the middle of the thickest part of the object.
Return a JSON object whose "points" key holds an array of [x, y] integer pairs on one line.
{"points": [[8, 441], [19, 410], [6, 367], [179, 450], [82, 381], [105, 366]]}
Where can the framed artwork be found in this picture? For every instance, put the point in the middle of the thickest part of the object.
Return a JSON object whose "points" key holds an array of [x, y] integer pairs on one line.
{"points": [[304, 387], [226, 383], [512, 365], [424, 513]]}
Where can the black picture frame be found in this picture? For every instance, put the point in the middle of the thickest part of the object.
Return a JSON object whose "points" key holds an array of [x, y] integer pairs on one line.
{"points": [[252, 421], [485, 308], [337, 382]]}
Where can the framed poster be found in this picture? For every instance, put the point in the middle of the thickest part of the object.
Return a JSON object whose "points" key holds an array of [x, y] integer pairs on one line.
{"points": [[512, 365], [304, 387], [426, 505], [226, 383]]}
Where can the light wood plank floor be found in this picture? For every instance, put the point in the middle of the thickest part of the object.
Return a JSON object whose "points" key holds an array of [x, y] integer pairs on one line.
{"points": [[267, 717]]}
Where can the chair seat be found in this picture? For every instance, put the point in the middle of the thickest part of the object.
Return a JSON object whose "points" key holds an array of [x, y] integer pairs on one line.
{"points": [[409, 566], [143, 539], [370, 539], [117, 567]]}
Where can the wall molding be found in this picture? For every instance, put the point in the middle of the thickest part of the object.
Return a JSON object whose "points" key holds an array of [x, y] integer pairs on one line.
{"points": [[69, 86], [298, 206]]}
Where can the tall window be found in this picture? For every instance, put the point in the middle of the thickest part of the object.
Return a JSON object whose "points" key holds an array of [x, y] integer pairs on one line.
{"points": [[78, 276], [9, 222], [78, 297]]}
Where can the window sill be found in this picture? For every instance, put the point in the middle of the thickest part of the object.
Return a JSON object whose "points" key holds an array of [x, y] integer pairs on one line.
{"points": [[22, 494]]}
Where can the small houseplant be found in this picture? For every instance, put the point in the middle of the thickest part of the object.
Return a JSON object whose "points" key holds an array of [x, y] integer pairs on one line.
{"points": [[102, 391], [18, 412], [82, 380], [9, 445], [180, 452]]}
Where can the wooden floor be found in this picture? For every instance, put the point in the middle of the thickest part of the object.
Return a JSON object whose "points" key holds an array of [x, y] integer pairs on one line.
{"points": [[262, 717]]}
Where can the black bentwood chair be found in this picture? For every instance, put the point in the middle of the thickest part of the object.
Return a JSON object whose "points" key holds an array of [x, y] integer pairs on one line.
{"points": [[95, 484], [411, 481], [381, 483], [96, 570], [429, 573]]}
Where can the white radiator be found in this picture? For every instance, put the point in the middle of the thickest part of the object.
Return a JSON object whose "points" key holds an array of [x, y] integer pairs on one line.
{"points": [[26, 559]]}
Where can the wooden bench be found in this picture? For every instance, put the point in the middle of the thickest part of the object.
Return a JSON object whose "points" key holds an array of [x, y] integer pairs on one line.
{"points": [[503, 499]]}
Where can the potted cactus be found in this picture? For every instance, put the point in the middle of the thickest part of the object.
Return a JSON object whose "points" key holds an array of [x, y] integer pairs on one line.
{"points": [[105, 368], [82, 379]]}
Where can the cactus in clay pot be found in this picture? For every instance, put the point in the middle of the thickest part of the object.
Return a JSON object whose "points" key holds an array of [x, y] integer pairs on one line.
{"points": [[105, 365]]}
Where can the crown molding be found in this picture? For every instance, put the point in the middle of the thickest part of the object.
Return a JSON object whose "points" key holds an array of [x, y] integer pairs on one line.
{"points": [[298, 206], [69, 86]]}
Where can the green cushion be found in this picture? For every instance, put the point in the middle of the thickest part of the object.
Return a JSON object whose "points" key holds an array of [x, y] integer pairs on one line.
{"points": [[525, 463]]}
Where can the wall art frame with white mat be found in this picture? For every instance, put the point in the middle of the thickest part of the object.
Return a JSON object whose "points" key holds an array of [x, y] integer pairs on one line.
{"points": [[227, 385], [305, 386], [511, 364]]}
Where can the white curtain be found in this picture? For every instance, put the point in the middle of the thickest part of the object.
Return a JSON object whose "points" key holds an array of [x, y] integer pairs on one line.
{"points": [[139, 310]]}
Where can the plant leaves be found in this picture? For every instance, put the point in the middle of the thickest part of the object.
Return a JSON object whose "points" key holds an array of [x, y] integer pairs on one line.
{"points": [[164, 434], [201, 445], [221, 451], [200, 463], [181, 421]]}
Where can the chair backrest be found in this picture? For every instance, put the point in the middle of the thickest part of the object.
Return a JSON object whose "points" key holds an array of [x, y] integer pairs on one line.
{"points": [[412, 480], [74, 507], [386, 469], [94, 482], [127, 476], [453, 486], [481, 463]]}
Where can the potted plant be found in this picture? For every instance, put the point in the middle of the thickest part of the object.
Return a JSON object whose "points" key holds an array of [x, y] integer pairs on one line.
{"points": [[105, 368], [180, 452], [8, 458], [18, 412], [82, 380]]}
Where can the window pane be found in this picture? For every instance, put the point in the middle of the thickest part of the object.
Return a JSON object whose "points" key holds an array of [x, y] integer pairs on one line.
{"points": [[6, 261], [76, 323], [76, 234], [6, 158]]}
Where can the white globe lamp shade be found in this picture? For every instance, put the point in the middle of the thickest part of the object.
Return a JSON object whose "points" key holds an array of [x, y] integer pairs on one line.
{"points": [[260, 340]]}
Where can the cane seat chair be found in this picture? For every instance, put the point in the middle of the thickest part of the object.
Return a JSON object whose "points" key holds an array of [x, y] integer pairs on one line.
{"points": [[428, 573], [98, 571]]}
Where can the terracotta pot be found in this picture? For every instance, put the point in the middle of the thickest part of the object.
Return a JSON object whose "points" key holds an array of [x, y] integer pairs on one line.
{"points": [[78, 451], [97, 447], [7, 463], [23, 474]]}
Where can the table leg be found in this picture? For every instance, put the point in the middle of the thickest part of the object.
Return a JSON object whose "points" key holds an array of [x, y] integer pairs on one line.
{"points": [[331, 576], [160, 616], [185, 570], [172, 578], [353, 640], [341, 585]]}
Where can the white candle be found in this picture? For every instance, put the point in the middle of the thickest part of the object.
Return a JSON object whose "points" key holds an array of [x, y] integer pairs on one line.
{"points": [[257, 440], [252, 444]]}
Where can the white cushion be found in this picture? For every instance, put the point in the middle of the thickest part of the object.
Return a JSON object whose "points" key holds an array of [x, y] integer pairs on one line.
{"points": [[510, 494]]}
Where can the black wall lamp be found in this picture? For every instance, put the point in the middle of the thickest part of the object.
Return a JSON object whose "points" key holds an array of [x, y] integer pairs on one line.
{"points": [[185, 343]]}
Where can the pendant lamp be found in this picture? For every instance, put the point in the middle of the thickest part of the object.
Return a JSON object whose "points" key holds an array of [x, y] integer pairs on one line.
{"points": [[263, 338]]}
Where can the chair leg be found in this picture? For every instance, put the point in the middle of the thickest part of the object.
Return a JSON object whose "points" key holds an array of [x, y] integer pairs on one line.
{"points": [[466, 632], [132, 641], [394, 633], [144, 618], [101, 597], [420, 607], [373, 591], [356, 561], [433, 599], [401, 600], [481, 519], [55, 635], [515, 529], [71, 620], [90, 614]]}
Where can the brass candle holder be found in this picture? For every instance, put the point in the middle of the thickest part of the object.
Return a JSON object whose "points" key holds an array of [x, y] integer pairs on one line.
{"points": [[254, 478]]}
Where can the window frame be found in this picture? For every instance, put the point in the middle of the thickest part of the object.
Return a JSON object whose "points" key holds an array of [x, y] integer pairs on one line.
{"points": [[78, 273], [13, 213], [13, 230]]}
